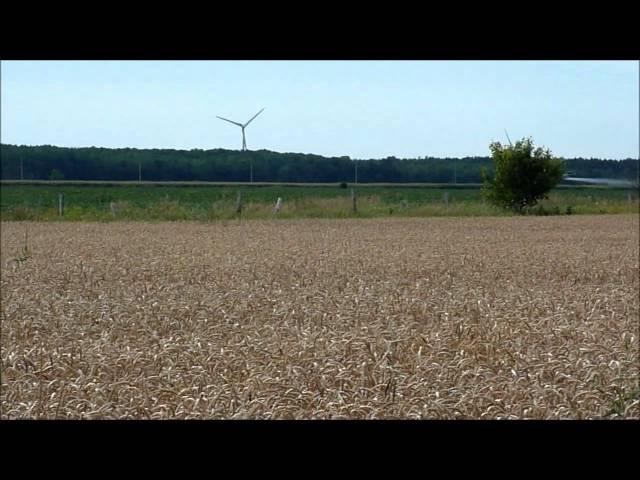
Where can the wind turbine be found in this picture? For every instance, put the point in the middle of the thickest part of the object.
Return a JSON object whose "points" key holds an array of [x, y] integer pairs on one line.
{"points": [[505, 131], [244, 140]]}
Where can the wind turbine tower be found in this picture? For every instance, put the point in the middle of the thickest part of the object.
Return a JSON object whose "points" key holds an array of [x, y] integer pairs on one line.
{"points": [[244, 138]]}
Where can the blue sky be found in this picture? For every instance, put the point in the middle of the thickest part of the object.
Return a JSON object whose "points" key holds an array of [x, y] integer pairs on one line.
{"points": [[363, 109]]}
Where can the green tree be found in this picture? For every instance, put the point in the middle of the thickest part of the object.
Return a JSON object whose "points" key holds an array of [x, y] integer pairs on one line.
{"points": [[522, 175]]}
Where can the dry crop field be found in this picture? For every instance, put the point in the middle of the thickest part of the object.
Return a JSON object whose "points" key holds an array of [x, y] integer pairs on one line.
{"points": [[438, 318]]}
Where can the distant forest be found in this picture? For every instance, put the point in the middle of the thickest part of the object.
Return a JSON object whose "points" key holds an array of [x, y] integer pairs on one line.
{"points": [[218, 165]]}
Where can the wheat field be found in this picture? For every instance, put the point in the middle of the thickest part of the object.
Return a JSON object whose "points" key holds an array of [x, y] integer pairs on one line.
{"points": [[430, 318]]}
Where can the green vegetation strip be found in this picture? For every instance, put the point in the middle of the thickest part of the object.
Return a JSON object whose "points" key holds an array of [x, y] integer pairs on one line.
{"points": [[161, 202]]}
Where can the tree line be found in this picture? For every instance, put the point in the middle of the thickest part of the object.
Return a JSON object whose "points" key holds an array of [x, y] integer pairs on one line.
{"points": [[219, 165]]}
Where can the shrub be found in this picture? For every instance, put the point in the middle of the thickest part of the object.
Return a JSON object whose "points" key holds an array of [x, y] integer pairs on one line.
{"points": [[522, 175]]}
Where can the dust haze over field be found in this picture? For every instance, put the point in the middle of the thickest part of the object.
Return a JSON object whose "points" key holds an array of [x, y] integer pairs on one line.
{"points": [[518, 317]]}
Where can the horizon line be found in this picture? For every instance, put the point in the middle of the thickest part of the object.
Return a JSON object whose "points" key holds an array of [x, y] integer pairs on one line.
{"points": [[297, 153]]}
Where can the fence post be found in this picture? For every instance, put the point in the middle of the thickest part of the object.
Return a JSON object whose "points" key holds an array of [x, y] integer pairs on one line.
{"points": [[239, 203], [278, 206], [353, 200], [61, 204], [113, 208], [445, 198]]}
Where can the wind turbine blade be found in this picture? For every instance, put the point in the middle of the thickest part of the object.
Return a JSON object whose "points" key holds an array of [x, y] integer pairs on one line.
{"points": [[230, 121], [505, 131], [253, 117]]}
